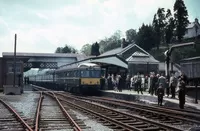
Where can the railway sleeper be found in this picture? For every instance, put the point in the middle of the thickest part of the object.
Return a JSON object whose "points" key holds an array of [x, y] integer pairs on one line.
{"points": [[125, 119], [142, 126], [114, 127], [55, 125], [11, 124], [128, 121], [152, 129], [137, 123], [13, 129]]}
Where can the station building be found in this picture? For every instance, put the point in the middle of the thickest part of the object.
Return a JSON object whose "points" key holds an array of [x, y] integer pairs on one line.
{"points": [[129, 59]]}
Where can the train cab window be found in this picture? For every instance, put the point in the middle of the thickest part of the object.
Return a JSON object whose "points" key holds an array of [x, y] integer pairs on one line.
{"points": [[85, 73], [95, 73]]}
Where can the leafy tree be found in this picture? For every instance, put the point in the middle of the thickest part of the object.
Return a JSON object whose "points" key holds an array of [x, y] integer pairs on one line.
{"points": [[146, 37], [169, 29], [181, 19], [111, 43], [131, 35], [86, 49], [66, 49]]}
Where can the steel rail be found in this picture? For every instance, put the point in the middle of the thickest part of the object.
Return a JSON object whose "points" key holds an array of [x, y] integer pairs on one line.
{"points": [[38, 112], [126, 114], [76, 127], [120, 124], [158, 111], [16, 115], [166, 110]]}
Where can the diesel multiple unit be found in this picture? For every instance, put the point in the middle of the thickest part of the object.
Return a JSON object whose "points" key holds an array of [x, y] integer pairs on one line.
{"points": [[76, 78]]}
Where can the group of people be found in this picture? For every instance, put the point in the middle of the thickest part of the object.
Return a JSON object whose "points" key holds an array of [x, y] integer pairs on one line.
{"points": [[115, 82], [157, 85]]}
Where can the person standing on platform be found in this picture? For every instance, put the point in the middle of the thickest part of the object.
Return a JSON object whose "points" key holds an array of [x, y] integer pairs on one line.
{"points": [[162, 80], [109, 81], [182, 90], [138, 83], [153, 83], [120, 83], [132, 83], [173, 84], [156, 83], [160, 94], [128, 81]]}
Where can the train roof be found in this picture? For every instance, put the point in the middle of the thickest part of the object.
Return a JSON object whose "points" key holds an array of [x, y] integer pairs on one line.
{"points": [[77, 65]]}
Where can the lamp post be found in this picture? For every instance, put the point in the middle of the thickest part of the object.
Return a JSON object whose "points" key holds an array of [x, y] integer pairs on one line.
{"points": [[196, 80], [14, 67]]}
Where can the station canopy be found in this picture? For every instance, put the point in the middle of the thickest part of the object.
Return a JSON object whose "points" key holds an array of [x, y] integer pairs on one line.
{"points": [[102, 60], [111, 60]]}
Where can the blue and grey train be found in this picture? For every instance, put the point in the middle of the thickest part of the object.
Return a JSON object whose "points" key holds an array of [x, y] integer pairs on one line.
{"points": [[84, 78]]}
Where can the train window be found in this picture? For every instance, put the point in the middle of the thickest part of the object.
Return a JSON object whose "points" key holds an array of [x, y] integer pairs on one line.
{"points": [[75, 73], [95, 73], [85, 73]]}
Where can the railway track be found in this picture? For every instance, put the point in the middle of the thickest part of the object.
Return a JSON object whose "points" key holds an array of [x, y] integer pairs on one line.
{"points": [[146, 117], [115, 119], [167, 116], [52, 115], [10, 120]]}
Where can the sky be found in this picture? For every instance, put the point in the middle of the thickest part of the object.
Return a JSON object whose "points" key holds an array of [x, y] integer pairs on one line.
{"points": [[43, 25]]}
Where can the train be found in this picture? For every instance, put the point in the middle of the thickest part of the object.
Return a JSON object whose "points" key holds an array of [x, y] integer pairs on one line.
{"points": [[83, 78]]}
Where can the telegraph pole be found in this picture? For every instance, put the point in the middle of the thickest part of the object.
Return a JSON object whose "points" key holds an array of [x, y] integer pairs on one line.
{"points": [[14, 67], [196, 80]]}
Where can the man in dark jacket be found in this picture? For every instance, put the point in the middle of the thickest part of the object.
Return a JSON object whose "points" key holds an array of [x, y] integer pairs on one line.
{"points": [[182, 90], [160, 93]]}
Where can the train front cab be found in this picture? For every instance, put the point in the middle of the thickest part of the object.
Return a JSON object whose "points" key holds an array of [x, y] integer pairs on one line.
{"points": [[90, 81]]}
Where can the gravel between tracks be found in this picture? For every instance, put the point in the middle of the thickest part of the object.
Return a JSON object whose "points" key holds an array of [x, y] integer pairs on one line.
{"points": [[26, 104]]}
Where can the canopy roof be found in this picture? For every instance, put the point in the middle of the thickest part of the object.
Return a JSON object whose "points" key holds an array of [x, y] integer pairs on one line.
{"points": [[139, 57], [113, 60], [110, 60]]}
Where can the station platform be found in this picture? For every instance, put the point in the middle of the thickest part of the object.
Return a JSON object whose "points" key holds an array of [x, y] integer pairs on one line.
{"points": [[149, 99]]}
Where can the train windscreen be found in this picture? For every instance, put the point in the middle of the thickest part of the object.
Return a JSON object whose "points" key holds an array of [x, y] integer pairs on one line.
{"points": [[91, 73]]}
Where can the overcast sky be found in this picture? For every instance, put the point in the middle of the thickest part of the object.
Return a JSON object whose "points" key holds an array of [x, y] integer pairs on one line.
{"points": [[44, 25]]}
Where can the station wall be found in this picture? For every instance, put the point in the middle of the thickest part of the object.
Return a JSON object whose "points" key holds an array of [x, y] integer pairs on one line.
{"points": [[1, 74]]}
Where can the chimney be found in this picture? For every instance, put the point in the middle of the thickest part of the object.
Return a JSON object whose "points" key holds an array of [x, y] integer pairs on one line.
{"points": [[124, 43], [196, 21]]}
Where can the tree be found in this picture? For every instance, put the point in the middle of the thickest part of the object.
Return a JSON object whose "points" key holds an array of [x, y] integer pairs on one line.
{"points": [[181, 19], [59, 50], [95, 49], [157, 31], [130, 35], [96, 45], [158, 25], [110, 43], [86, 49], [66, 49], [169, 29], [146, 37]]}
